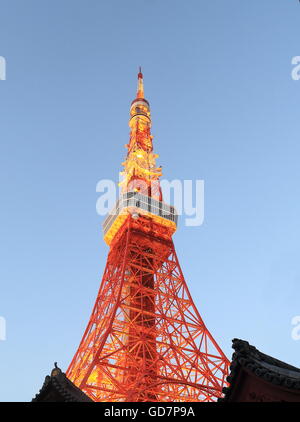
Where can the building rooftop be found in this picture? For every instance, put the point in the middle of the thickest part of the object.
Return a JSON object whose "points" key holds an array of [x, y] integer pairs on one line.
{"points": [[58, 388], [256, 376]]}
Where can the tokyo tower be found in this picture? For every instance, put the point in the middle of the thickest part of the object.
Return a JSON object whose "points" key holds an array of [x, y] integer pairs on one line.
{"points": [[145, 340]]}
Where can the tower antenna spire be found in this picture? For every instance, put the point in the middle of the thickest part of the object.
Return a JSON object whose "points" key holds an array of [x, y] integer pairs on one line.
{"points": [[140, 88]]}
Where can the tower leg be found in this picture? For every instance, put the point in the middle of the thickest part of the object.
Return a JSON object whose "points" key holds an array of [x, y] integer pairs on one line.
{"points": [[145, 340]]}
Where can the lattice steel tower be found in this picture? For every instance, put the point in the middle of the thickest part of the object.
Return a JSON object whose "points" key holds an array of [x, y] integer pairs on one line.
{"points": [[145, 340]]}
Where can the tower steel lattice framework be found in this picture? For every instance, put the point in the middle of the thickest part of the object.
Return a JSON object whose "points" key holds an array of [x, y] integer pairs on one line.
{"points": [[145, 340]]}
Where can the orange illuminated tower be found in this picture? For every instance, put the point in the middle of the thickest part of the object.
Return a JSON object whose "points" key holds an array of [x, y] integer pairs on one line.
{"points": [[145, 340]]}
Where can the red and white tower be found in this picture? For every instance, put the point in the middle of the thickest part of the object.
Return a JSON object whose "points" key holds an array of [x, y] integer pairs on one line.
{"points": [[145, 340]]}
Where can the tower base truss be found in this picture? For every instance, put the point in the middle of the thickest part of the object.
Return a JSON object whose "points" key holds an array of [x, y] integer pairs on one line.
{"points": [[145, 341]]}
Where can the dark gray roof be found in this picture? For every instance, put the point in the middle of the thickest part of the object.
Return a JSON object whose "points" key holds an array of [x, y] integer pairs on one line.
{"points": [[57, 387], [262, 366]]}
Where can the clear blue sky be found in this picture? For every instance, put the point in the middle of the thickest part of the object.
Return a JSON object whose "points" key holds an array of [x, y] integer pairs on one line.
{"points": [[225, 109]]}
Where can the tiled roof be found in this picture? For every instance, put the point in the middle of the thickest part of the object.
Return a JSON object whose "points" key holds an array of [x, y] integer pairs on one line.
{"points": [[57, 387], [273, 371]]}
